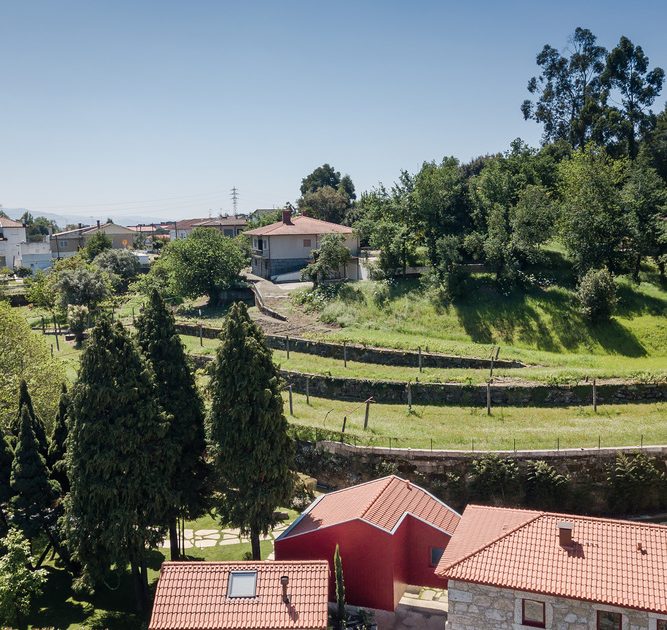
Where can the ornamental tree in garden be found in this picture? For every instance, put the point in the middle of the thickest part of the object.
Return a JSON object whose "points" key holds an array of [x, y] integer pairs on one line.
{"points": [[25, 404], [253, 452], [58, 446], [6, 459], [116, 462], [178, 395]]}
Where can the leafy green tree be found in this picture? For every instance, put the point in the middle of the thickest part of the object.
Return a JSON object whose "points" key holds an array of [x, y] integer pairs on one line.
{"points": [[99, 242], [58, 445], [569, 101], [645, 201], [532, 222], [120, 264], [597, 295], [34, 494], [38, 429], [545, 487], [19, 584], [341, 612], [326, 176], [593, 227], [327, 204], [397, 246], [253, 452], [178, 395], [655, 144], [493, 477], [627, 74], [118, 472], [25, 356], [81, 287], [204, 263], [327, 260], [635, 484], [41, 290]]}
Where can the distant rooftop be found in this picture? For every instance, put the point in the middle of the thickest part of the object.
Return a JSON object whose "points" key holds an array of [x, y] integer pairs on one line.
{"points": [[10, 223]]}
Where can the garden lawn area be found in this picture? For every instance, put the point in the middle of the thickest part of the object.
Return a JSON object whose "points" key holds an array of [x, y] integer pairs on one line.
{"points": [[112, 606], [539, 326], [466, 428]]}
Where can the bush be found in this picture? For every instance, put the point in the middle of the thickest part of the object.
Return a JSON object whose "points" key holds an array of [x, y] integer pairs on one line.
{"points": [[77, 320], [636, 484], [81, 286], [545, 487], [23, 272], [494, 478], [597, 295], [118, 263]]}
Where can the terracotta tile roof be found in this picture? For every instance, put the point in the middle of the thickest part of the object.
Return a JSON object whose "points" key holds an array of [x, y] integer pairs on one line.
{"points": [[193, 596], [222, 221], [10, 223], [300, 225], [383, 503], [519, 549], [187, 224]]}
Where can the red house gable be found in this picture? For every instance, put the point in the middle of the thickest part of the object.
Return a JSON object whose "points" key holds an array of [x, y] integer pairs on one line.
{"points": [[391, 534]]}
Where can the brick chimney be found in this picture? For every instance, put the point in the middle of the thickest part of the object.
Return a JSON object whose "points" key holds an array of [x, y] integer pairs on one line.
{"points": [[287, 216], [565, 533]]}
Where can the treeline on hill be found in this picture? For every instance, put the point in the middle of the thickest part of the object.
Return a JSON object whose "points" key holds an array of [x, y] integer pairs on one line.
{"points": [[598, 184]]}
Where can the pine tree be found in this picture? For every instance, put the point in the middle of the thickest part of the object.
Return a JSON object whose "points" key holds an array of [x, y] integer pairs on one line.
{"points": [[25, 401], [58, 444], [253, 452], [34, 494], [115, 460], [341, 613], [178, 395]]}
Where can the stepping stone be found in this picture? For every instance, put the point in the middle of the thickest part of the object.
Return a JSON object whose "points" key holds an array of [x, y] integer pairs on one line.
{"points": [[230, 537], [235, 531], [188, 533], [205, 543], [210, 536], [229, 541], [187, 544], [206, 532]]}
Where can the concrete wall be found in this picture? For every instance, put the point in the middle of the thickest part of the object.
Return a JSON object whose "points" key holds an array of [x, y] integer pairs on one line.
{"points": [[475, 606]]}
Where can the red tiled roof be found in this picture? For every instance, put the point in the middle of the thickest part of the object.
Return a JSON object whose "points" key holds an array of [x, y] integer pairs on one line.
{"points": [[383, 503], [187, 224], [520, 549], [300, 225], [221, 221], [193, 596], [10, 223]]}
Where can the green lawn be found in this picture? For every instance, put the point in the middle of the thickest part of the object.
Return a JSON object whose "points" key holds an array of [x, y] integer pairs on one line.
{"points": [[460, 427], [539, 326]]}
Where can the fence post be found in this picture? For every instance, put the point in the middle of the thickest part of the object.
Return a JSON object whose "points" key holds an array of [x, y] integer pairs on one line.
{"points": [[43, 326], [420, 359], [287, 345], [344, 353], [52, 351], [201, 334], [641, 444], [595, 396], [409, 396], [55, 330], [368, 406], [344, 424], [308, 390], [291, 408], [488, 398]]}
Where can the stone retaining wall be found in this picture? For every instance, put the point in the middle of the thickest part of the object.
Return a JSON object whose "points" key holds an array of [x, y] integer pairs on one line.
{"points": [[530, 395]]}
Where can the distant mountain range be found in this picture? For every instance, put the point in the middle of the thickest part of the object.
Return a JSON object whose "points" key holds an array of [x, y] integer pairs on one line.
{"points": [[117, 217]]}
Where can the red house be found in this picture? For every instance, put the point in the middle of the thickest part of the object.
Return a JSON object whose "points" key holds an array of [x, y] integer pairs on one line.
{"points": [[391, 534]]}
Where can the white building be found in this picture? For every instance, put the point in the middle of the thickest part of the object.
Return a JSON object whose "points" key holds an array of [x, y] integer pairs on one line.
{"points": [[12, 235]]}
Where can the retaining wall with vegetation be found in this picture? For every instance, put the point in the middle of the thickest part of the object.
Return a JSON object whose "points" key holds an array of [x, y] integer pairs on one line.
{"points": [[528, 395]]}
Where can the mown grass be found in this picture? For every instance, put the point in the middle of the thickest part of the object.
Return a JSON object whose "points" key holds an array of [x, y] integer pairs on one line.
{"points": [[470, 427]]}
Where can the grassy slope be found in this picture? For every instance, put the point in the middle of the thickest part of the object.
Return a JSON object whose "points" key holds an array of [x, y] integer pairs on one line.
{"points": [[458, 427], [540, 326]]}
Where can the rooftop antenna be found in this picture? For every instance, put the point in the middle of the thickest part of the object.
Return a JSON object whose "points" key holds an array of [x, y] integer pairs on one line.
{"points": [[235, 198]]}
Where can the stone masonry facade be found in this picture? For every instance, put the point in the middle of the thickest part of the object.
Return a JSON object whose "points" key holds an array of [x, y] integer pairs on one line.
{"points": [[478, 607]]}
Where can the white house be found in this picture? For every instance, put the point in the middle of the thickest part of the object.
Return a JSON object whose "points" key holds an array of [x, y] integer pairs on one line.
{"points": [[12, 235], [513, 569], [286, 246]]}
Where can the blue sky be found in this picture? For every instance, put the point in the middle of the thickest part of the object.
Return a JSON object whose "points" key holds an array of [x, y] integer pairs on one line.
{"points": [[159, 108]]}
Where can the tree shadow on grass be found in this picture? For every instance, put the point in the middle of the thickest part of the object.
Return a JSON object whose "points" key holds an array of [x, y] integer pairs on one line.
{"points": [[633, 302]]}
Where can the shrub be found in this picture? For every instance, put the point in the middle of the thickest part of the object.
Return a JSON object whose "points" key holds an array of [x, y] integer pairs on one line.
{"points": [[636, 484], [77, 320], [81, 286], [597, 295], [494, 478], [545, 487], [119, 263], [23, 272]]}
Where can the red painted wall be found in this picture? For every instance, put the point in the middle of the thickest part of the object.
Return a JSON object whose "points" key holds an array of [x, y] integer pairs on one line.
{"points": [[376, 565], [367, 557]]}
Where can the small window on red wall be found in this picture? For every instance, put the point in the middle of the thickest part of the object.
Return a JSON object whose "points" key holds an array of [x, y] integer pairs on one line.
{"points": [[436, 554], [533, 613]]}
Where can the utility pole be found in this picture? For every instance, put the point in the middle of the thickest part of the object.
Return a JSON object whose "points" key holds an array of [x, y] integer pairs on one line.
{"points": [[235, 199]]}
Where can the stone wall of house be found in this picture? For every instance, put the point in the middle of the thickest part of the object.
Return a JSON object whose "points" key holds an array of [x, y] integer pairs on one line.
{"points": [[475, 606]]}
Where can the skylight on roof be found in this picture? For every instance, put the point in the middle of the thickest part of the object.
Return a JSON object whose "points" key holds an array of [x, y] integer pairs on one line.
{"points": [[242, 584]]}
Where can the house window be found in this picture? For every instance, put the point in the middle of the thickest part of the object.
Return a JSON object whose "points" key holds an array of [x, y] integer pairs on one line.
{"points": [[259, 245], [62, 243], [533, 614], [228, 232], [608, 620], [661, 624], [242, 584], [436, 554], [307, 242]]}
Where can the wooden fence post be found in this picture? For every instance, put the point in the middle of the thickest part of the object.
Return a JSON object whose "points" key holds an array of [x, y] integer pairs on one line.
{"points": [[488, 398], [368, 406], [420, 359], [43, 326], [344, 353], [409, 397], [291, 408], [287, 345], [595, 396], [308, 390], [55, 330], [201, 334]]}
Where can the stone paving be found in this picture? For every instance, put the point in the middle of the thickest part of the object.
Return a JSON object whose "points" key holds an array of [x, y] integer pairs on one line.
{"points": [[202, 538]]}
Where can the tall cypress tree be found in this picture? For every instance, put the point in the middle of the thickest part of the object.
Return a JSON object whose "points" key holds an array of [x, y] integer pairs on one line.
{"points": [[253, 453], [115, 460], [6, 459], [25, 402], [58, 444], [34, 494], [178, 395]]}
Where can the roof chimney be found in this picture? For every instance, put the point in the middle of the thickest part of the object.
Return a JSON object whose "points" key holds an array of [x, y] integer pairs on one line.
{"points": [[284, 581], [287, 216], [565, 534]]}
